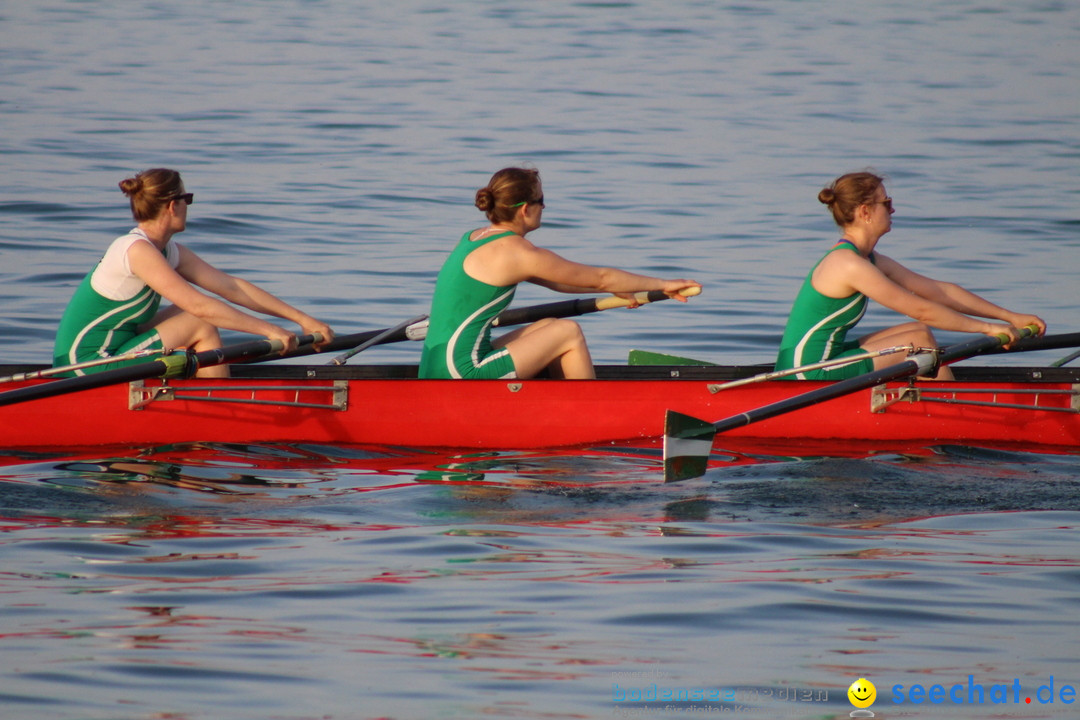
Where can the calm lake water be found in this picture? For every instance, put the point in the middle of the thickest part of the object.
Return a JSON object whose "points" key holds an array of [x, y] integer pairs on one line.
{"points": [[334, 148]]}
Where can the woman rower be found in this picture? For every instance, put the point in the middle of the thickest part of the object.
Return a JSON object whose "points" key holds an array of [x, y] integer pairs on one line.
{"points": [[115, 309], [478, 281], [833, 297]]}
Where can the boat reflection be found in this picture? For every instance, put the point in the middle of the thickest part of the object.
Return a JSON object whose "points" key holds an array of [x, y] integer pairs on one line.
{"points": [[195, 483]]}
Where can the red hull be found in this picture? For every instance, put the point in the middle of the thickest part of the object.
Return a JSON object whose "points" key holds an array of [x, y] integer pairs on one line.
{"points": [[531, 414]]}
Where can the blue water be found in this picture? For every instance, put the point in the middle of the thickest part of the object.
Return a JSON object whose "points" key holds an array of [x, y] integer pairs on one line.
{"points": [[334, 148]]}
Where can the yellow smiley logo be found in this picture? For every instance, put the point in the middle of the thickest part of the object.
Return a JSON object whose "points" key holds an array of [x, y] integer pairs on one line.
{"points": [[862, 693]]}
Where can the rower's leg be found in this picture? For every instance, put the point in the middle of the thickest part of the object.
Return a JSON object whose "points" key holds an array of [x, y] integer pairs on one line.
{"points": [[913, 333], [181, 329], [555, 344]]}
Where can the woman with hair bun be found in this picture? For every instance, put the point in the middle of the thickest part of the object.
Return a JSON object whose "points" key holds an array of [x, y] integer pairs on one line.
{"points": [[834, 295], [478, 281], [115, 309]]}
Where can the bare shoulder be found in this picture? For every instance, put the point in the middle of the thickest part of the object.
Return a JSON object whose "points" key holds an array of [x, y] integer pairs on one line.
{"points": [[842, 263], [840, 273], [508, 246]]}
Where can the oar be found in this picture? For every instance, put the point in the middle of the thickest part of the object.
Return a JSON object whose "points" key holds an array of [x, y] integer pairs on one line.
{"points": [[169, 366], [1046, 342], [581, 306], [514, 316], [688, 440], [49, 372], [1066, 360], [400, 327]]}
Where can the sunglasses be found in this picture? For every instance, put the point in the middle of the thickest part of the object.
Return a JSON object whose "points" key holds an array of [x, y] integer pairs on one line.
{"points": [[539, 202], [887, 202], [188, 198]]}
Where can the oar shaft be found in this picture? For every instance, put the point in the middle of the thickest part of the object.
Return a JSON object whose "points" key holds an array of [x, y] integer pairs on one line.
{"points": [[347, 342], [49, 372], [777, 374], [581, 306], [1066, 360], [169, 366], [918, 365], [1046, 342], [400, 327], [514, 316]]}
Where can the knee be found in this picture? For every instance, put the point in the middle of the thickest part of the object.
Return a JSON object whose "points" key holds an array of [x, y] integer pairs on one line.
{"points": [[208, 333], [570, 330], [925, 334]]}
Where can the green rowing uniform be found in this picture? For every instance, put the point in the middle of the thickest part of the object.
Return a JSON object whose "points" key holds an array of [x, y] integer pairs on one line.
{"points": [[108, 308], [817, 330], [458, 342]]}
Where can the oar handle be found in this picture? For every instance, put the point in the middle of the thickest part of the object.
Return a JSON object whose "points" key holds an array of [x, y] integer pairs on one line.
{"points": [[582, 306], [642, 298], [981, 344], [1046, 342]]}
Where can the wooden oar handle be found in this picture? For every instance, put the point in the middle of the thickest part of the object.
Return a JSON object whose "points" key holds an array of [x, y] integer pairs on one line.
{"points": [[578, 306], [642, 298]]}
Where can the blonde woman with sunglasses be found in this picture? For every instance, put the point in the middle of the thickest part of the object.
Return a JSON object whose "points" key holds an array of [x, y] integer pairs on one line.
{"points": [[834, 295], [115, 310]]}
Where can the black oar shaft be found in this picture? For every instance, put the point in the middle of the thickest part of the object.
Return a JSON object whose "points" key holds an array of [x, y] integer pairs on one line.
{"points": [[514, 316], [345, 342], [918, 365], [1046, 342], [400, 327], [837, 389], [169, 366]]}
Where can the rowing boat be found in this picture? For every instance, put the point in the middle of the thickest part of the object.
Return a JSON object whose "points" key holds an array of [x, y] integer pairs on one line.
{"points": [[388, 405]]}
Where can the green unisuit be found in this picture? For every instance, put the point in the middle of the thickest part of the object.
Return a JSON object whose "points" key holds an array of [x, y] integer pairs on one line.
{"points": [[817, 330], [458, 343], [104, 315]]}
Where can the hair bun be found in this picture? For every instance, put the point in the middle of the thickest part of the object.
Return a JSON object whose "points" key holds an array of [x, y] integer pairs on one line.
{"points": [[130, 186], [827, 196], [485, 199]]}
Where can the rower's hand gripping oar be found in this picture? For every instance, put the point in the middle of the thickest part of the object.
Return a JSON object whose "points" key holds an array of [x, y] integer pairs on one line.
{"points": [[178, 365], [414, 330], [688, 440]]}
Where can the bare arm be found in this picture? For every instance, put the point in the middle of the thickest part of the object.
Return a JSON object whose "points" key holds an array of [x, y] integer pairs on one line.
{"points": [[953, 296], [514, 259], [177, 287], [844, 273]]}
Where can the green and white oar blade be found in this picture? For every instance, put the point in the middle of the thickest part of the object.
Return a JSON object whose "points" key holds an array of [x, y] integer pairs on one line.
{"points": [[687, 446]]}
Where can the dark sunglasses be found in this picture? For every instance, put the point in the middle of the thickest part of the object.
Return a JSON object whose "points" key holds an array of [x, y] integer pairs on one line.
{"points": [[887, 202], [188, 198]]}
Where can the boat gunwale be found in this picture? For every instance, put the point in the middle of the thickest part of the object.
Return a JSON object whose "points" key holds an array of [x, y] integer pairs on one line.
{"points": [[707, 373]]}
